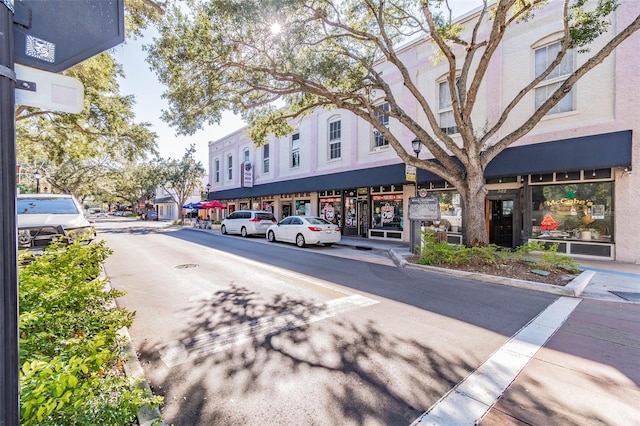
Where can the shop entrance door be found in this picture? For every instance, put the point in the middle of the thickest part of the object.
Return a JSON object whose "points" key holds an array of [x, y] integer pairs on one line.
{"points": [[501, 222], [363, 217]]}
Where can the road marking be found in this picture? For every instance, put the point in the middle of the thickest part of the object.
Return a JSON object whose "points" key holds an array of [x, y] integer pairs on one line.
{"points": [[181, 351], [469, 401]]}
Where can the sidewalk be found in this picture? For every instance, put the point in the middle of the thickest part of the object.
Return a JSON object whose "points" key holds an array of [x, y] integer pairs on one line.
{"points": [[612, 281], [585, 370]]}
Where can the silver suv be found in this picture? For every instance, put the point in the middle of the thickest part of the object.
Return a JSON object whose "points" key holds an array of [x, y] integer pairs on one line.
{"points": [[247, 222], [44, 218]]}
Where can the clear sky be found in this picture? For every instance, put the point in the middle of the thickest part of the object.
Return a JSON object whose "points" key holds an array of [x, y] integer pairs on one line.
{"points": [[141, 82]]}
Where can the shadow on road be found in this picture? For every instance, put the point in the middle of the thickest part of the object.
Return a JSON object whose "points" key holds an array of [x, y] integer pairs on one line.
{"points": [[355, 374]]}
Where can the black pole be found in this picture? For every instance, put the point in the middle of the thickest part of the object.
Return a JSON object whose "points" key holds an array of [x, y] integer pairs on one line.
{"points": [[9, 360]]}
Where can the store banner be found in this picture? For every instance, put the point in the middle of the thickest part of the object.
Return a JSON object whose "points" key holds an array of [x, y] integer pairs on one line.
{"points": [[247, 175]]}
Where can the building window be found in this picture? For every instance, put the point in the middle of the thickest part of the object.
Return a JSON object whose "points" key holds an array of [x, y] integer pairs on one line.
{"points": [[383, 117], [216, 170], [573, 211], [543, 58], [295, 150], [335, 137], [445, 109], [230, 167], [265, 158], [246, 155]]}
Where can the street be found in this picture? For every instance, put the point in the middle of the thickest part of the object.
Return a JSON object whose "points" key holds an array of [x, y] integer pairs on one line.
{"points": [[243, 331]]}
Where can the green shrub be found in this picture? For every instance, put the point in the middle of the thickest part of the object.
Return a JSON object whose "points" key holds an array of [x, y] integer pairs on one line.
{"points": [[443, 253], [70, 352]]}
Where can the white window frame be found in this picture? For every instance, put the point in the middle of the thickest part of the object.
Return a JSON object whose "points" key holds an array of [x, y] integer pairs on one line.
{"points": [[446, 121], [245, 155], [334, 130], [216, 170], [295, 150], [380, 141], [265, 158], [230, 167], [542, 57]]}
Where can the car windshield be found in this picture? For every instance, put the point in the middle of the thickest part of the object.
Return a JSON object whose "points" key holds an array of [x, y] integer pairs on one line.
{"points": [[46, 206]]}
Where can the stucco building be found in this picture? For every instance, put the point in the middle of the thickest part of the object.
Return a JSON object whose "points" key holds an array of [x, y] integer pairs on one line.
{"points": [[574, 179]]}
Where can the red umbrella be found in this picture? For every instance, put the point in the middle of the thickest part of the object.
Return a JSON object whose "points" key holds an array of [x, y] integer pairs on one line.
{"points": [[213, 205]]}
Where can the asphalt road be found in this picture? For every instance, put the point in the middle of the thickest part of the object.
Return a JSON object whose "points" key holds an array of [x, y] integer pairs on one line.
{"points": [[241, 331]]}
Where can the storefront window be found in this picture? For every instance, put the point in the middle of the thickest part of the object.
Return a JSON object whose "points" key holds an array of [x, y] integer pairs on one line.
{"points": [[267, 206], [330, 209], [350, 220], [581, 211], [303, 207], [387, 212], [450, 210]]}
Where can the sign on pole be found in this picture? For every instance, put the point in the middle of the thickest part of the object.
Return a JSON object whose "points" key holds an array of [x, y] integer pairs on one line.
{"points": [[48, 90], [56, 35]]}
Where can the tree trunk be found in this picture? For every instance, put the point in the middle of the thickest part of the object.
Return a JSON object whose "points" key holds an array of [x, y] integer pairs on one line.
{"points": [[474, 196]]}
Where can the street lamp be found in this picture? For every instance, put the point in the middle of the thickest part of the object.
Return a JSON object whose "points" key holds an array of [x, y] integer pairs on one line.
{"points": [[208, 188], [416, 144], [37, 176]]}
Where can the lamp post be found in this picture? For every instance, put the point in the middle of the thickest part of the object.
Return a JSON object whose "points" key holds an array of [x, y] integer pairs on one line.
{"points": [[416, 144], [414, 237], [208, 188], [37, 176]]}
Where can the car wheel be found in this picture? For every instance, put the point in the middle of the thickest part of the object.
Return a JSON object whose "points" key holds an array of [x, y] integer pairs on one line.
{"points": [[223, 229], [300, 240], [243, 232], [271, 236]]}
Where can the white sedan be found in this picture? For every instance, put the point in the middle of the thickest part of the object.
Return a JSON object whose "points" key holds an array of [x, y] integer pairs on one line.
{"points": [[303, 230]]}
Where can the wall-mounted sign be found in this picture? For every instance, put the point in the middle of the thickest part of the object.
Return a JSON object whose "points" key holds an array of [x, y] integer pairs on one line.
{"points": [[247, 175]]}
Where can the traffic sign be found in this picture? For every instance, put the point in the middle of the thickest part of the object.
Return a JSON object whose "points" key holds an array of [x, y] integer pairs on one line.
{"points": [[48, 90], [55, 35]]}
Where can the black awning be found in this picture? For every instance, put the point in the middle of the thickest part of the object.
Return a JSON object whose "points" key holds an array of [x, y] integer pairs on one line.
{"points": [[375, 176], [586, 152]]}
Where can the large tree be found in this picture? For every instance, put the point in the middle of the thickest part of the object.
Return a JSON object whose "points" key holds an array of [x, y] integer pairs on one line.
{"points": [[181, 178], [226, 54]]}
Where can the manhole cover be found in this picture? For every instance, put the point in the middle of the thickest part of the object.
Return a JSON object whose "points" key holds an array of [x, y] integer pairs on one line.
{"points": [[626, 295], [187, 266]]}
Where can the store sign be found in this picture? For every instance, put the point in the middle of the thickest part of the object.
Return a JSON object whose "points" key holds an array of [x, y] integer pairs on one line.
{"points": [[427, 208], [247, 175], [387, 197]]}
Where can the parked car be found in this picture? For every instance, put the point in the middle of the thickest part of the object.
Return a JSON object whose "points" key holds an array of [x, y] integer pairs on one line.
{"points": [[44, 218], [247, 222], [303, 230], [150, 215]]}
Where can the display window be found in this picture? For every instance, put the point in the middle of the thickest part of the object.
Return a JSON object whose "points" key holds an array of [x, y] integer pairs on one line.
{"points": [[387, 212], [303, 207], [573, 211], [350, 220], [330, 209], [450, 210]]}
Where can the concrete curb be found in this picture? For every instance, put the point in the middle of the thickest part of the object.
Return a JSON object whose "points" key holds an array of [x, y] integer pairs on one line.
{"points": [[133, 369], [573, 289]]}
